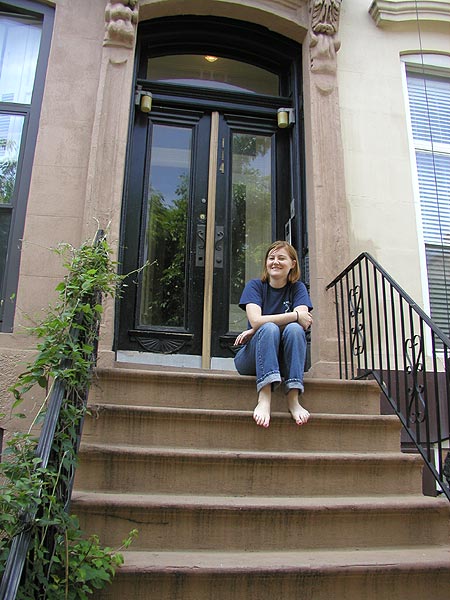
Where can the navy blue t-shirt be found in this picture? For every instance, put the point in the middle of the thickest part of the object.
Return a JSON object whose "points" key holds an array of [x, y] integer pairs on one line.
{"points": [[275, 301]]}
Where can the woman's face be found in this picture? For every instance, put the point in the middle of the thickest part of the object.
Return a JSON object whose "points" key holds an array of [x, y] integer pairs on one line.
{"points": [[278, 265]]}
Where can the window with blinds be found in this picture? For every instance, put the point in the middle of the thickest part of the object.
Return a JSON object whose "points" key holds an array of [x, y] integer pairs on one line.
{"points": [[429, 100]]}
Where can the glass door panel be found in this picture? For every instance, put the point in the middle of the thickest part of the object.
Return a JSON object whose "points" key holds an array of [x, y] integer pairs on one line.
{"points": [[246, 210], [163, 286], [251, 222]]}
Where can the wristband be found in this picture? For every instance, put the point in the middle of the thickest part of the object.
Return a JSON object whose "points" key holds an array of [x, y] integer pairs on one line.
{"points": [[296, 316]]}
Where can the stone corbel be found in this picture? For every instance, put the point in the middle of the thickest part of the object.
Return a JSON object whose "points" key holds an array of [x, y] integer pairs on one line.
{"points": [[121, 17], [324, 42]]}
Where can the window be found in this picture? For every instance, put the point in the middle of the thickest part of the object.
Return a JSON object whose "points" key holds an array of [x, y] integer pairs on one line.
{"points": [[429, 101], [25, 30], [214, 72]]}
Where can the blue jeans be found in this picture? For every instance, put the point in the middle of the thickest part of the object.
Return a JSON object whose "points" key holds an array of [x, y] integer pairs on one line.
{"points": [[273, 354]]}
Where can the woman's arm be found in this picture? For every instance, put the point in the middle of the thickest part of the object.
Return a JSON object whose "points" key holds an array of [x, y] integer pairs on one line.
{"points": [[300, 314], [304, 317], [256, 318]]}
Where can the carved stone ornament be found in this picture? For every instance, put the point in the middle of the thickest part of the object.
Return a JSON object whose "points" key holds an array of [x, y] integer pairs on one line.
{"points": [[121, 19], [324, 41]]}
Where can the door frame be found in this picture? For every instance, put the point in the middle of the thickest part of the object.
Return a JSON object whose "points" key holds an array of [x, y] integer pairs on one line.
{"points": [[241, 41], [210, 241]]}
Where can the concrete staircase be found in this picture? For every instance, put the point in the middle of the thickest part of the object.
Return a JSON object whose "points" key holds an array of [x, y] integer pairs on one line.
{"points": [[227, 510]]}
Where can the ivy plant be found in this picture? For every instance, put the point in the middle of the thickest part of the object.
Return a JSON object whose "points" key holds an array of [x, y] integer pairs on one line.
{"points": [[62, 562]]}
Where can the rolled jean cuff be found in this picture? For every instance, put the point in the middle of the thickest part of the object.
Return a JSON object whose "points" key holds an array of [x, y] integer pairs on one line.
{"points": [[293, 384], [269, 378]]}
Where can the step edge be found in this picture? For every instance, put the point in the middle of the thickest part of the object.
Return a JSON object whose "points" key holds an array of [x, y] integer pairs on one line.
{"points": [[394, 503], [103, 407], [170, 376], [389, 456], [317, 562]]}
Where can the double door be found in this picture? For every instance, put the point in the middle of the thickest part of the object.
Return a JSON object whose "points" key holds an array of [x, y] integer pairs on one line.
{"points": [[207, 192]]}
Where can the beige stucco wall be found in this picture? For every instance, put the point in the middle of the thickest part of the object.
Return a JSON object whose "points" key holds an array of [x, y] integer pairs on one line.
{"points": [[379, 167], [58, 185]]}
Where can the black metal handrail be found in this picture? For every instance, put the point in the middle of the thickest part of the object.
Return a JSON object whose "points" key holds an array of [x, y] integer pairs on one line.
{"points": [[48, 452], [384, 334]]}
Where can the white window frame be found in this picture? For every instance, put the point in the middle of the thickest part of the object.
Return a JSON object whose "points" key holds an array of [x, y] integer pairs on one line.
{"points": [[428, 65]]}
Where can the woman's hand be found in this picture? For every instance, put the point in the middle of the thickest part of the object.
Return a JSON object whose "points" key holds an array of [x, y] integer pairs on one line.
{"points": [[304, 318], [244, 337]]}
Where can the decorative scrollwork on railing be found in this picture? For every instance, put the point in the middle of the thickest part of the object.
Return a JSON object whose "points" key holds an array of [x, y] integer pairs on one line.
{"points": [[397, 344], [358, 343], [415, 356]]}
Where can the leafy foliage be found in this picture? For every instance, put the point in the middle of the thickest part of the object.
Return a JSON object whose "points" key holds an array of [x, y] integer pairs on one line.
{"points": [[61, 563], [68, 333]]}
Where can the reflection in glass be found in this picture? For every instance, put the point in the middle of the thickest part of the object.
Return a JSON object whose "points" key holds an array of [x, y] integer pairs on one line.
{"points": [[251, 234], [20, 38], [223, 73], [5, 221], [164, 281], [10, 136]]}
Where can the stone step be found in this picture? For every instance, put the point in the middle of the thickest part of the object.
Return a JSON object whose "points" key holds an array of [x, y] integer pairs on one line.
{"points": [[125, 469], [208, 523], [228, 510], [236, 430], [420, 573], [224, 390]]}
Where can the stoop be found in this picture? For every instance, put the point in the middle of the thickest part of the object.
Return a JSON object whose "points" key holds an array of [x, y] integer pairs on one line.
{"points": [[227, 510]]}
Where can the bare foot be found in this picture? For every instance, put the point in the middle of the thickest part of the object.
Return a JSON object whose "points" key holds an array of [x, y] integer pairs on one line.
{"points": [[261, 414], [299, 414]]}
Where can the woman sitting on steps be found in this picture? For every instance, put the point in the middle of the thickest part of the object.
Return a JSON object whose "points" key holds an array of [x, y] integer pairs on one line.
{"points": [[274, 347]]}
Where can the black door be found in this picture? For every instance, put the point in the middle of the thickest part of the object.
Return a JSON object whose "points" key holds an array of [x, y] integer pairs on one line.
{"points": [[211, 180], [202, 207], [161, 309], [253, 193]]}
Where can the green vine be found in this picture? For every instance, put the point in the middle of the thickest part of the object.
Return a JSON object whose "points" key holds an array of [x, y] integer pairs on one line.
{"points": [[62, 564], [90, 271]]}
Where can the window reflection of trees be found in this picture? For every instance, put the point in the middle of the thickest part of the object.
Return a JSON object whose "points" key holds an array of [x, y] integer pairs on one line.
{"points": [[163, 289], [8, 169], [251, 215]]}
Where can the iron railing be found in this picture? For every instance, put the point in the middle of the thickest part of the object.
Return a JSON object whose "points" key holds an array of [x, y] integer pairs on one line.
{"points": [[384, 334], [49, 452]]}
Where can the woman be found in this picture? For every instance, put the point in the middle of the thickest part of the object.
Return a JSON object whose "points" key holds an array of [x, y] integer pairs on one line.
{"points": [[278, 310]]}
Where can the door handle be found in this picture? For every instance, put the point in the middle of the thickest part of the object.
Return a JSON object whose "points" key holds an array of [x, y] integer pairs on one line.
{"points": [[218, 247], [200, 246]]}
